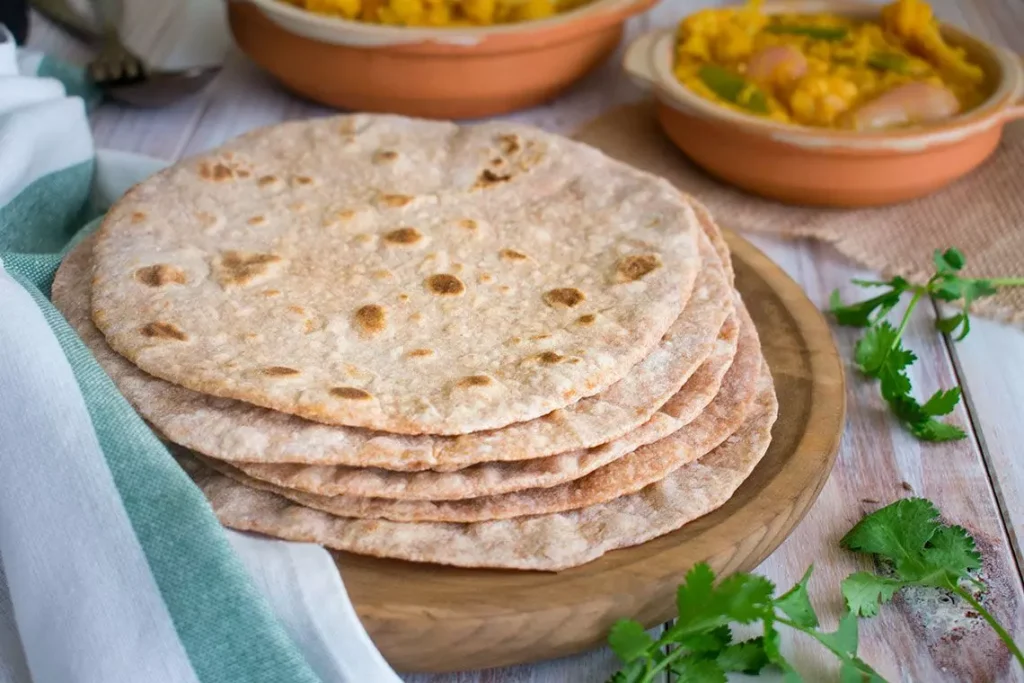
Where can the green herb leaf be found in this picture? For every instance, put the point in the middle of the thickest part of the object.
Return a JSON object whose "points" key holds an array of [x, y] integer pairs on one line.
{"points": [[816, 32], [864, 592], [733, 88], [889, 61], [628, 640], [949, 261], [866, 312], [747, 657], [942, 402], [796, 603], [692, 669], [742, 598]]}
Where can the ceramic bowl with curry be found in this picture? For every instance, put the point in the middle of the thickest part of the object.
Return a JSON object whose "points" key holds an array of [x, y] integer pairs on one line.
{"points": [[829, 103], [449, 59]]}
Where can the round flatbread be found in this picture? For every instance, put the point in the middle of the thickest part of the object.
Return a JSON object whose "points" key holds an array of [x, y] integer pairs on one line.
{"points": [[490, 479], [409, 276], [544, 542], [622, 476], [237, 431]]}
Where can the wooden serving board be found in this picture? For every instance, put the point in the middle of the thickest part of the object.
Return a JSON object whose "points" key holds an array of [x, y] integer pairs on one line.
{"points": [[432, 618]]}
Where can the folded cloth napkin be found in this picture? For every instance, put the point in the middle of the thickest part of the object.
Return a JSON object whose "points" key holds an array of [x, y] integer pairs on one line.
{"points": [[113, 568]]}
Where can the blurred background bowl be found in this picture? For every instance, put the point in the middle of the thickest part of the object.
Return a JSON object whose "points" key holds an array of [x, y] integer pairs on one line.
{"points": [[448, 73], [827, 167]]}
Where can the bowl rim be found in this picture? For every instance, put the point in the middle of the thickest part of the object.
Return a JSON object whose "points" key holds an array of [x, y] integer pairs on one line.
{"points": [[658, 47], [290, 16]]}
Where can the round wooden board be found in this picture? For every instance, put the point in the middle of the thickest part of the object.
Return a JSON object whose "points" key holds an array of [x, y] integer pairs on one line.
{"points": [[432, 618]]}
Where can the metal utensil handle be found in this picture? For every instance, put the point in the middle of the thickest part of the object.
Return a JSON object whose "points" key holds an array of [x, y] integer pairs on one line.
{"points": [[61, 13]]}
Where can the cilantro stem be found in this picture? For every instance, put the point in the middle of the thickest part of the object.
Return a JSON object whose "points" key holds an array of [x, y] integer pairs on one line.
{"points": [[918, 293], [996, 626], [1007, 282]]}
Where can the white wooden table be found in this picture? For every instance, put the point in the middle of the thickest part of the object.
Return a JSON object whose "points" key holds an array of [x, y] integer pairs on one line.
{"points": [[978, 482]]}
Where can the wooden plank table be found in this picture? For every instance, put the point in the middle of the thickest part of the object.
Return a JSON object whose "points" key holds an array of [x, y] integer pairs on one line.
{"points": [[924, 637]]}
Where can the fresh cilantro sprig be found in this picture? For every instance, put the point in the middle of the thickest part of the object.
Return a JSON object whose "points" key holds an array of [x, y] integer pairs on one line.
{"points": [[880, 353], [907, 536], [920, 550], [699, 646]]}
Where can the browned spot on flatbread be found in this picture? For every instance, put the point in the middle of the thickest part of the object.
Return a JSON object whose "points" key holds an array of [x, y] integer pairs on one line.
{"points": [[395, 200], [564, 297], [257, 220], [381, 275], [383, 156], [240, 268], [475, 381], [403, 236], [550, 358], [297, 309], [468, 224], [242, 173], [303, 180], [444, 284], [371, 318], [489, 178], [509, 143], [512, 255], [497, 162], [160, 330], [540, 337], [267, 180], [138, 217], [350, 393], [485, 277], [271, 292], [218, 172], [420, 353], [587, 319], [634, 267], [403, 297], [279, 371], [160, 274]]}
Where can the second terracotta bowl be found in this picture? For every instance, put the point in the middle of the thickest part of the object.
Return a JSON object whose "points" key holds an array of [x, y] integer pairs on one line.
{"points": [[428, 72], [813, 166]]}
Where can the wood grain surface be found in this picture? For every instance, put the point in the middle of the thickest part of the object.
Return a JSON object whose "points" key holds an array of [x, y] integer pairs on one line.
{"points": [[979, 482]]}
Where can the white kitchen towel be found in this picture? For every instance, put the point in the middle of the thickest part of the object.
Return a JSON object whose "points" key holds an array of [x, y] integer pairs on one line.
{"points": [[112, 566]]}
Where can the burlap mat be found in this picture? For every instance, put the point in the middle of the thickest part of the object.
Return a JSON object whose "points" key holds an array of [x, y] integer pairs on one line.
{"points": [[982, 214]]}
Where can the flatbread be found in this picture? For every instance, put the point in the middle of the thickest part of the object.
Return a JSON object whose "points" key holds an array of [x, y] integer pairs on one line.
{"points": [[545, 542], [237, 431], [410, 276], [622, 476], [490, 479]]}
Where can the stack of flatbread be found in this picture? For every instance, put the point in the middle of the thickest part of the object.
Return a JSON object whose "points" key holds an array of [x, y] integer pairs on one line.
{"points": [[484, 346]]}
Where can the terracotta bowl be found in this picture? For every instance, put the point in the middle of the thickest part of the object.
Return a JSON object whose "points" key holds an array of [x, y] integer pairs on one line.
{"points": [[450, 73], [804, 165]]}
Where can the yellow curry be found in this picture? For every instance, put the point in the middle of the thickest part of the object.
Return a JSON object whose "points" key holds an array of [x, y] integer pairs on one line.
{"points": [[440, 12], [826, 70]]}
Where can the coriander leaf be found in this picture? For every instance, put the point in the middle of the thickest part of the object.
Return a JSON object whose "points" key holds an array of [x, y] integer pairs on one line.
{"points": [[843, 643], [919, 422], [864, 591], [628, 640], [693, 669], [709, 641], [949, 325], [702, 605], [896, 532], [942, 402], [950, 260], [953, 549], [935, 431], [863, 313], [796, 604], [774, 653], [747, 657]]}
